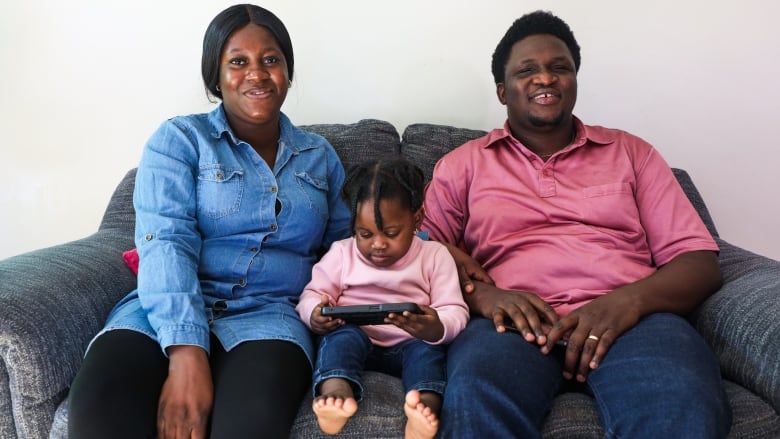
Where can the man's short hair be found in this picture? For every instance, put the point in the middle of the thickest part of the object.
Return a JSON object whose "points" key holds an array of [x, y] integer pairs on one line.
{"points": [[533, 23]]}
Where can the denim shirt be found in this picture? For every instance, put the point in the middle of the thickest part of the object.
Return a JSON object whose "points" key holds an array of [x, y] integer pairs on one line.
{"points": [[227, 244]]}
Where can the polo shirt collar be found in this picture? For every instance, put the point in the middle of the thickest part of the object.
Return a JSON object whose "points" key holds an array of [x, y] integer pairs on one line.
{"points": [[585, 135]]}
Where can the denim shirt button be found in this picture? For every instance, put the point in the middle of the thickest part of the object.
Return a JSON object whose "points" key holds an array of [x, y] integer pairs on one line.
{"points": [[149, 237], [273, 189], [273, 227], [241, 282], [253, 249]]}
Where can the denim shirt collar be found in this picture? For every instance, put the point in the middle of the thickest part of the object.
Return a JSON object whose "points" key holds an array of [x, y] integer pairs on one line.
{"points": [[291, 137], [292, 140]]}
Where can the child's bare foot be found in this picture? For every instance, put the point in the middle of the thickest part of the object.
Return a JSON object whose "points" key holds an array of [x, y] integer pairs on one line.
{"points": [[335, 405], [422, 421]]}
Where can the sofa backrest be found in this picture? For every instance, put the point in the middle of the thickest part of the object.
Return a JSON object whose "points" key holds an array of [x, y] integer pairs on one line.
{"points": [[364, 140], [422, 144]]}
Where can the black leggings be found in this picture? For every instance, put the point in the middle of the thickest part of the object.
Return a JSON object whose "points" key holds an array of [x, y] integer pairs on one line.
{"points": [[258, 387]]}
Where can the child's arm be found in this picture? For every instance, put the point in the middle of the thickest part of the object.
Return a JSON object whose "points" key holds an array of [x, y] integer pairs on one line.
{"points": [[446, 296], [448, 313], [320, 324], [425, 326], [325, 281]]}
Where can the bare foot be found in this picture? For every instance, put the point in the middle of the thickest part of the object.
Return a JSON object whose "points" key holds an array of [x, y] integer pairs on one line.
{"points": [[422, 420], [335, 405]]}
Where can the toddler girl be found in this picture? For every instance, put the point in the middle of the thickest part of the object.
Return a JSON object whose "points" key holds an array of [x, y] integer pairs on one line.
{"points": [[383, 262]]}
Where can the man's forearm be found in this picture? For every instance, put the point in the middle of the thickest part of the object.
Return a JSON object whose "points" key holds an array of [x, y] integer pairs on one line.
{"points": [[679, 286]]}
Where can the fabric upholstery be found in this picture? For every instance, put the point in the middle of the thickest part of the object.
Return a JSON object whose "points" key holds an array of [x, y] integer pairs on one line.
{"points": [[424, 143], [741, 322], [695, 197], [364, 140], [54, 300]]}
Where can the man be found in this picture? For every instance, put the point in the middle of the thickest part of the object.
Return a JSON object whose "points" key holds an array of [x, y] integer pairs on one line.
{"points": [[592, 259]]}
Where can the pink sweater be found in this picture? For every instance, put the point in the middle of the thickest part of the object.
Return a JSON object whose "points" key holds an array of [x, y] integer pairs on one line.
{"points": [[426, 275]]}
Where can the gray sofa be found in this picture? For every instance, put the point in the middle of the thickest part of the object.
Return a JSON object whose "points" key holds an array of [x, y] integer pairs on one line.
{"points": [[53, 300]]}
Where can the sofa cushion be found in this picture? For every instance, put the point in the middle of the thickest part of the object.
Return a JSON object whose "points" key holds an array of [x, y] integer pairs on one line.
{"points": [[424, 144], [380, 414], [360, 141], [740, 321], [695, 197], [120, 213]]}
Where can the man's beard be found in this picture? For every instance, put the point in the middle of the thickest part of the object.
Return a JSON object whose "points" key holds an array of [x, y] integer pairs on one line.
{"points": [[539, 122]]}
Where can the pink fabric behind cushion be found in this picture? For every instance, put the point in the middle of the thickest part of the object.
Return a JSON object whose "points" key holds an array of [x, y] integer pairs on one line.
{"points": [[131, 259]]}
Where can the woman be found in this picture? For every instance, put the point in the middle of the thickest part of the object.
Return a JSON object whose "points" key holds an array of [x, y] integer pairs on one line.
{"points": [[232, 208]]}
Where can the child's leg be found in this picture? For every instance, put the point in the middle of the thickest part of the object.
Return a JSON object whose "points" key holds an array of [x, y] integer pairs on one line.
{"points": [[335, 404], [340, 360], [424, 374], [422, 414]]}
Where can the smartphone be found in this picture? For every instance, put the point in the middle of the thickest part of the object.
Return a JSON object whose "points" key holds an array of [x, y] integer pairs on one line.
{"points": [[373, 314]]}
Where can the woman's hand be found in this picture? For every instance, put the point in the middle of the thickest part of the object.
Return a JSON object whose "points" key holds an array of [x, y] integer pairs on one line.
{"points": [[529, 314], [592, 329], [321, 324], [425, 326], [187, 395]]}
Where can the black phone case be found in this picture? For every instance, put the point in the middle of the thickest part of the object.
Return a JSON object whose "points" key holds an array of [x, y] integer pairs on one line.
{"points": [[369, 314]]}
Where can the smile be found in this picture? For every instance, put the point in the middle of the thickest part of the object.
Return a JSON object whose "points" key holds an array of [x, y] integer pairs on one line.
{"points": [[258, 92], [545, 98]]}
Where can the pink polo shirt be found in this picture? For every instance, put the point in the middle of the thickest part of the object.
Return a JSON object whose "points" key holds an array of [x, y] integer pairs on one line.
{"points": [[600, 214]]}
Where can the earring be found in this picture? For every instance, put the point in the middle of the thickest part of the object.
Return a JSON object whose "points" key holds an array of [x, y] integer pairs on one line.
{"points": [[218, 88]]}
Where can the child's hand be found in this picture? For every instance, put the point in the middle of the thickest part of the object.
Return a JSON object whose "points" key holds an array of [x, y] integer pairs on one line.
{"points": [[322, 324], [426, 326]]}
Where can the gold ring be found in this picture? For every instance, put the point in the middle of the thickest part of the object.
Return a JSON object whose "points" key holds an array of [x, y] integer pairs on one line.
{"points": [[593, 337]]}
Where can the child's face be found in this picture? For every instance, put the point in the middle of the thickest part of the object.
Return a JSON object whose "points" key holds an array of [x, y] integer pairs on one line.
{"points": [[384, 247]]}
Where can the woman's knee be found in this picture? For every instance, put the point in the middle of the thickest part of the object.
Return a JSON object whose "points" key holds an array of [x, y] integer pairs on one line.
{"points": [[117, 386]]}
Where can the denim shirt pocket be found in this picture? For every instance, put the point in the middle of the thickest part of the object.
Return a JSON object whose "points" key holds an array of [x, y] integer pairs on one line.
{"points": [[219, 190], [316, 190]]}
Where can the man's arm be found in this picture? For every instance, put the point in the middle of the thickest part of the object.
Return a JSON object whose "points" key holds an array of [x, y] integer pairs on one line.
{"points": [[677, 287], [469, 269]]}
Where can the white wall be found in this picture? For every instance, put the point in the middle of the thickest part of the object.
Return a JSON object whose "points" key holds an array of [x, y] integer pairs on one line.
{"points": [[84, 83]]}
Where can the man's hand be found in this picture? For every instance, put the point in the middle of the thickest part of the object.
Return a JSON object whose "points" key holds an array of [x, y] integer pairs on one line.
{"points": [[469, 269], [187, 395], [529, 314], [425, 326], [592, 329], [321, 324]]}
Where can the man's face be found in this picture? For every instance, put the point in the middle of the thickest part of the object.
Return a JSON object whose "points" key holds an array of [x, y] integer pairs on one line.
{"points": [[540, 84]]}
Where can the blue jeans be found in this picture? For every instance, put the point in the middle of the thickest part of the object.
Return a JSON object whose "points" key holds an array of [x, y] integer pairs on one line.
{"points": [[347, 351], [658, 380]]}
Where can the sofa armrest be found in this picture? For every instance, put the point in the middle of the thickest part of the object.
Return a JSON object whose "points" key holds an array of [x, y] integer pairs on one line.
{"points": [[740, 321], [52, 302]]}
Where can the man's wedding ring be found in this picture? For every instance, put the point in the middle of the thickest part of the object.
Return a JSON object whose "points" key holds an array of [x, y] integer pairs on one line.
{"points": [[593, 337]]}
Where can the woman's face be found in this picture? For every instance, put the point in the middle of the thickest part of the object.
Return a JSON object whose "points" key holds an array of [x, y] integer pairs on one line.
{"points": [[253, 77]]}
